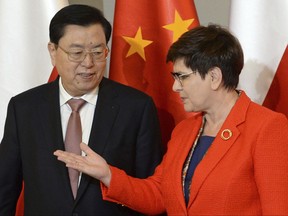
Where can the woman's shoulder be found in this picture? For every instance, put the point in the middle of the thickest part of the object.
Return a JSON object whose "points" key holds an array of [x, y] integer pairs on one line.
{"points": [[187, 124], [261, 111], [255, 110], [196, 116]]}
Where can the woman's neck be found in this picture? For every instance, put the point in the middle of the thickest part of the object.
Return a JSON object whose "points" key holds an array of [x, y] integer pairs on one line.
{"points": [[216, 116]]}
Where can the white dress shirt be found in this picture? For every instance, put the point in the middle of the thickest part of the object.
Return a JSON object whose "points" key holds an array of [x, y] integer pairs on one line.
{"points": [[86, 112]]}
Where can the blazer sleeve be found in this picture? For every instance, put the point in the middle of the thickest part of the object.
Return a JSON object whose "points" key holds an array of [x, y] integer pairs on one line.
{"points": [[10, 165], [142, 195], [271, 165]]}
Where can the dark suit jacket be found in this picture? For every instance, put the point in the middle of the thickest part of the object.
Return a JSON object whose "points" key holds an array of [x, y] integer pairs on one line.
{"points": [[125, 132]]}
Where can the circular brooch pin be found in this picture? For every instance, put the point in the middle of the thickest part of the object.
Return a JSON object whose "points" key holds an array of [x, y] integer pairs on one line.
{"points": [[226, 134]]}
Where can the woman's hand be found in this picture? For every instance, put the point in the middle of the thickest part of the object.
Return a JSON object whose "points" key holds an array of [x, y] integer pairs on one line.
{"points": [[92, 164]]}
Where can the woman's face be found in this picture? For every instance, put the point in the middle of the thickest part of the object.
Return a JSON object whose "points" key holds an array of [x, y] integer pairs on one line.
{"points": [[195, 92]]}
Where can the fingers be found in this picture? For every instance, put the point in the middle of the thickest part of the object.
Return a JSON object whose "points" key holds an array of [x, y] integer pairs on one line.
{"points": [[92, 164], [64, 154], [86, 149], [67, 157], [71, 160]]}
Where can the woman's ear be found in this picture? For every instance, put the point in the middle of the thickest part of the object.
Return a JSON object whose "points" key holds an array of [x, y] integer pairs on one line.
{"points": [[52, 51], [216, 77]]}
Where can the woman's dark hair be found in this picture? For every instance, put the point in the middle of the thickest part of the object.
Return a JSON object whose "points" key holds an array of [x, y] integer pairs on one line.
{"points": [[203, 48], [82, 15]]}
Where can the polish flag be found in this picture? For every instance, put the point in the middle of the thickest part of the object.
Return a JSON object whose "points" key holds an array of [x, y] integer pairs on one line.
{"points": [[24, 57], [261, 27]]}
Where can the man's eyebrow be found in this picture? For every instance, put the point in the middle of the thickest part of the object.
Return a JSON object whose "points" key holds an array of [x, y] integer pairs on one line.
{"points": [[82, 47], [76, 46]]}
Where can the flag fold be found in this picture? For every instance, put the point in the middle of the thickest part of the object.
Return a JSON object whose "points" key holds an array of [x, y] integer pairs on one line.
{"points": [[143, 32], [261, 27]]}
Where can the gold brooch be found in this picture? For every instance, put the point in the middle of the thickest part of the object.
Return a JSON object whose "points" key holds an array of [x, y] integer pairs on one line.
{"points": [[226, 134]]}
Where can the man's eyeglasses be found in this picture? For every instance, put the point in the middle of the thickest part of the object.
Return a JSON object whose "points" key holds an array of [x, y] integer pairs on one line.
{"points": [[180, 76], [78, 55]]}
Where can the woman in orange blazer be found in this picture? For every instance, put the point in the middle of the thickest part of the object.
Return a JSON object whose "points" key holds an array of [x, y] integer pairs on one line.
{"points": [[230, 158]]}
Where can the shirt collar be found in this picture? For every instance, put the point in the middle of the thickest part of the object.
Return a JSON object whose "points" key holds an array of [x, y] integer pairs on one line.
{"points": [[90, 97]]}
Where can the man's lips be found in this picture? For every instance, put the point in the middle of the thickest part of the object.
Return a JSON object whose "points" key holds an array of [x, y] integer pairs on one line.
{"points": [[86, 75]]}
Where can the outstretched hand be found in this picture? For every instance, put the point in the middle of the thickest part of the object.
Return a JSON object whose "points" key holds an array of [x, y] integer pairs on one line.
{"points": [[92, 164]]}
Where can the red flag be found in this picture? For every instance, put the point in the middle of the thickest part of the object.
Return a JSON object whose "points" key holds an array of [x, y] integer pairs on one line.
{"points": [[20, 204], [276, 98], [142, 35], [53, 75]]}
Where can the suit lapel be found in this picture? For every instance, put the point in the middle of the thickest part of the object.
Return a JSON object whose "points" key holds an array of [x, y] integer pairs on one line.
{"points": [[181, 152], [214, 154], [50, 118], [105, 114], [49, 113], [220, 146]]}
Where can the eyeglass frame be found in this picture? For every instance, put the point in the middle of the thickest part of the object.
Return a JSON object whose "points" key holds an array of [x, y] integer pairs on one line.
{"points": [[180, 76], [106, 50]]}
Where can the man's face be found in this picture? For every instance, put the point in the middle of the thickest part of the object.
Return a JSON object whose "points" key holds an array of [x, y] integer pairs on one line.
{"points": [[79, 78]]}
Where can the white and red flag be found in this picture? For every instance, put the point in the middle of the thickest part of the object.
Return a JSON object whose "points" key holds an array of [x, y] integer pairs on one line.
{"points": [[24, 57], [262, 28]]}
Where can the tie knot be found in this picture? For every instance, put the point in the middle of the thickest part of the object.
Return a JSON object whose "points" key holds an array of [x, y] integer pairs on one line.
{"points": [[76, 104]]}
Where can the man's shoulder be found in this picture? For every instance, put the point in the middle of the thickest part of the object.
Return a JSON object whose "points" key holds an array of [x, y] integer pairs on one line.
{"points": [[122, 89], [37, 91]]}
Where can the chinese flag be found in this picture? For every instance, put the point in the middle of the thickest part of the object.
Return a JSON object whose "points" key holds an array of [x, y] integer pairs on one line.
{"points": [[261, 27], [143, 32]]}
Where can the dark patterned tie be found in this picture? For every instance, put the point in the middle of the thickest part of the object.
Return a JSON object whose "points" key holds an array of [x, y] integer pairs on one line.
{"points": [[74, 138]]}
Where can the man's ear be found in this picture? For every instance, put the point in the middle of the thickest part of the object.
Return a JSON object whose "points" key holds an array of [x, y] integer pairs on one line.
{"points": [[52, 51], [216, 77]]}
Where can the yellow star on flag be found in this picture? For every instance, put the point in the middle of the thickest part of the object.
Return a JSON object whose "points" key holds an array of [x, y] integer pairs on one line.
{"points": [[137, 44], [179, 26]]}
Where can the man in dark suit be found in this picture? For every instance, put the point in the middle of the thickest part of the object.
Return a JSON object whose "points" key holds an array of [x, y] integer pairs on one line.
{"points": [[118, 122]]}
